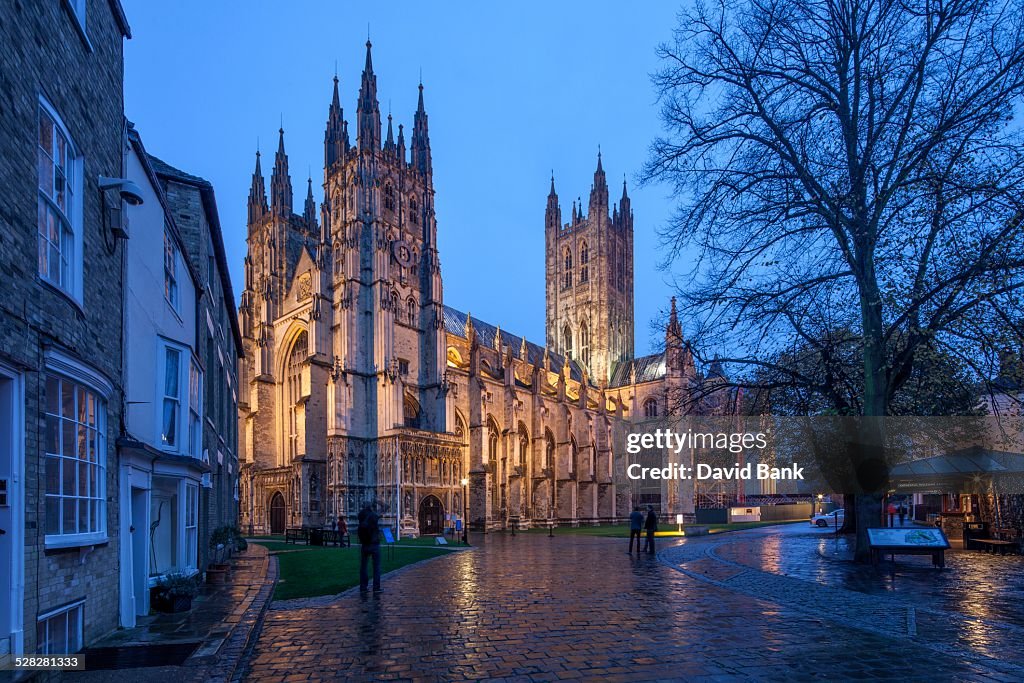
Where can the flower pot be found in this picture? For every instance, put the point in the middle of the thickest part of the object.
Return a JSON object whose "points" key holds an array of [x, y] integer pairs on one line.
{"points": [[163, 602]]}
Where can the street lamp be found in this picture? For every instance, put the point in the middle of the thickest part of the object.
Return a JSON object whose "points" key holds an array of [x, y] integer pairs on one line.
{"points": [[465, 517], [821, 497]]}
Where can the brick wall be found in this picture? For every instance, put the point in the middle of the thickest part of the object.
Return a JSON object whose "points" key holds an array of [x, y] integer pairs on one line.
{"points": [[44, 54]]}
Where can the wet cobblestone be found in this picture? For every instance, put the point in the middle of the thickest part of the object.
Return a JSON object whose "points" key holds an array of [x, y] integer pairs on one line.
{"points": [[533, 608]]}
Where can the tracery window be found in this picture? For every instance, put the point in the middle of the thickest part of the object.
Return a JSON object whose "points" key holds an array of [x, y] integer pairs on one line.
{"points": [[414, 210], [568, 267], [585, 343], [651, 408], [584, 260], [389, 197], [567, 341], [293, 389]]}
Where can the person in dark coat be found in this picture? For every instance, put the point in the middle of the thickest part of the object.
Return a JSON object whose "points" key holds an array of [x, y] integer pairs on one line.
{"points": [[636, 525], [651, 525], [369, 547], [343, 539]]}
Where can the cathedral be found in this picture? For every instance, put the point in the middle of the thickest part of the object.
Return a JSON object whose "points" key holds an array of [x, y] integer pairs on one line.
{"points": [[361, 385]]}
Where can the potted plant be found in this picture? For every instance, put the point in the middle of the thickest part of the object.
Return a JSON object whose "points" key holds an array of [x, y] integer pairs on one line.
{"points": [[174, 592]]}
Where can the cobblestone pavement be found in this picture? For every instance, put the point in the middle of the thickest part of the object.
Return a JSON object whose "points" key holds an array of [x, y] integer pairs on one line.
{"points": [[537, 608]]}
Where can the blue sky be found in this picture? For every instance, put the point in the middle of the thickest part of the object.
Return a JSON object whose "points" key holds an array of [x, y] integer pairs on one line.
{"points": [[513, 90]]}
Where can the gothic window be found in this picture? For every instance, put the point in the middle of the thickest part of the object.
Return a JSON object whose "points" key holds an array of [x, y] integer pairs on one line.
{"points": [[293, 390], [524, 445], [549, 450], [414, 211], [389, 197], [410, 309], [585, 343], [650, 408], [574, 452], [568, 267], [492, 441], [584, 260], [567, 342]]}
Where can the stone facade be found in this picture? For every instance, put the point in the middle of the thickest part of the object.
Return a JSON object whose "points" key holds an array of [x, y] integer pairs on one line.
{"points": [[60, 94], [360, 385]]}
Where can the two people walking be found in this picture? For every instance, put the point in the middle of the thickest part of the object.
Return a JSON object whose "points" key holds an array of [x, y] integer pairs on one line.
{"points": [[638, 523]]}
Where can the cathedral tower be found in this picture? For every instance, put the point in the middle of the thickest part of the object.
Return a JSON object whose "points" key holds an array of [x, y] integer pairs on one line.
{"points": [[589, 273]]}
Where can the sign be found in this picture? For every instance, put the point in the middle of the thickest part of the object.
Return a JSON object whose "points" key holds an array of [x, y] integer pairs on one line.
{"points": [[912, 537], [441, 540], [458, 525], [388, 536]]}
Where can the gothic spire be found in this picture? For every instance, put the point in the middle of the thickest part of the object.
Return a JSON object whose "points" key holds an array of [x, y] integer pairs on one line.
{"points": [[420, 138], [599, 192], [401, 143], [335, 139], [389, 144], [368, 112], [280, 181], [310, 209], [674, 331], [257, 194]]}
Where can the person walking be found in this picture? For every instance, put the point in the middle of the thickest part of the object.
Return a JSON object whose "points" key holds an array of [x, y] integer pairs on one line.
{"points": [[343, 539], [651, 525], [636, 525], [369, 547], [892, 514]]}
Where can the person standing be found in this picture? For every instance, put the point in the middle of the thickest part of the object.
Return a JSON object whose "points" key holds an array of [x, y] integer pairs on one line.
{"points": [[636, 525], [903, 513], [343, 539], [892, 514], [651, 525], [369, 547]]}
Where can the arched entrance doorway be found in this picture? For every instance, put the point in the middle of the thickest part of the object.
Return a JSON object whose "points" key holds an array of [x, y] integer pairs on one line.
{"points": [[431, 516], [277, 513]]}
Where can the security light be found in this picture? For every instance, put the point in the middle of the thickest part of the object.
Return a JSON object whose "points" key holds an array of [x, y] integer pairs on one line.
{"points": [[130, 192]]}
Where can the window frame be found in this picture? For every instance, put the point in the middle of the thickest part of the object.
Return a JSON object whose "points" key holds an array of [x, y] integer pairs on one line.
{"points": [[43, 623], [65, 368], [195, 409], [172, 255], [74, 186]]}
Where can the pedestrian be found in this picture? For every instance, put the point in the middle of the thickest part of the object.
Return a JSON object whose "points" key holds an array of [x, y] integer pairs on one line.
{"points": [[636, 525], [369, 547], [903, 513], [343, 539], [892, 514], [651, 525]]}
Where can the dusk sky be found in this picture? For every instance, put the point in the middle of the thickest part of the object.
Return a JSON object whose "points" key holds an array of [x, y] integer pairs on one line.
{"points": [[513, 91]]}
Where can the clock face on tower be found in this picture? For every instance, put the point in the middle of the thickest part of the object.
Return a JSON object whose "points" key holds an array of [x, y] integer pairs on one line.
{"points": [[403, 254]]}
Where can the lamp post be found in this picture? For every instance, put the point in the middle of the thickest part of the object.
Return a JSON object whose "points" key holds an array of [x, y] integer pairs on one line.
{"points": [[821, 496], [465, 517]]}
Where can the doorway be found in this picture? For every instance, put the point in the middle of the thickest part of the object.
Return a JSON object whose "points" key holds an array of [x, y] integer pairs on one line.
{"points": [[12, 519], [277, 513], [431, 516]]}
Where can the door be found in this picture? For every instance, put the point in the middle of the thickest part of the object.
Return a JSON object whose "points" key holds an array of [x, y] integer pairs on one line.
{"points": [[140, 556], [277, 514], [431, 516]]}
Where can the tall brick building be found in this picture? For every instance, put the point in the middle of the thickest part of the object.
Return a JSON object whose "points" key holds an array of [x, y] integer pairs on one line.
{"points": [[359, 384], [62, 131]]}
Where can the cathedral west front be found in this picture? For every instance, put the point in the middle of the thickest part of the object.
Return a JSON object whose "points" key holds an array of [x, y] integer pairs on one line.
{"points": [[360, 385]]}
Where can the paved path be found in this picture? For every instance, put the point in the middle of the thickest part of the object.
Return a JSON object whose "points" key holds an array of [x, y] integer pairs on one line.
{"points": [[537, 608]]}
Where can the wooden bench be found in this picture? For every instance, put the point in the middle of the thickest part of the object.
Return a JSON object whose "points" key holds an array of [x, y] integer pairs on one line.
{"points": [[332, 537], [295, 534], [993, 545]]}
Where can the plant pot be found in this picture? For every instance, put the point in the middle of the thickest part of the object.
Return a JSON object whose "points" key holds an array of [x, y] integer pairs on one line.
{"points": [[216, 576], [172, 604]]}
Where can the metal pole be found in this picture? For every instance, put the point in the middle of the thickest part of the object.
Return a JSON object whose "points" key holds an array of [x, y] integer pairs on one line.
{"points": [[398, 495]]}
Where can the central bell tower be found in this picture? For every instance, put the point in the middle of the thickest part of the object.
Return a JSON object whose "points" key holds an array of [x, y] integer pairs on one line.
{"points": [[589, 274]]}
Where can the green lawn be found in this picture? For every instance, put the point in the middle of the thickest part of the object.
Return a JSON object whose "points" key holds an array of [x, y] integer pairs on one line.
{"points": [[307, 571], [667, 530]]}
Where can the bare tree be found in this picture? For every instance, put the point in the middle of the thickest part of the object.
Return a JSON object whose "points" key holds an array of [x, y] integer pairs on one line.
{"points": [[847, 165]]}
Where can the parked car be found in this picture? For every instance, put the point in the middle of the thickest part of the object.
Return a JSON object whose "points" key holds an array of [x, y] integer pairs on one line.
{"points": [[832, 519]]}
